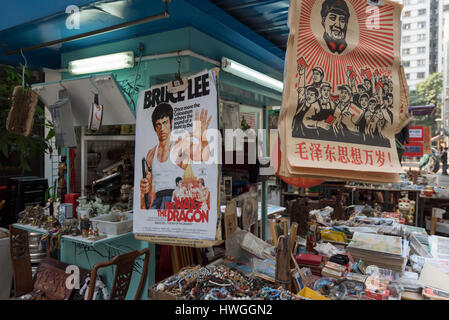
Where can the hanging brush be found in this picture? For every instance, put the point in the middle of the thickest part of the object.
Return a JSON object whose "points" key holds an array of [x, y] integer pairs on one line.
{"points": [[23, 107]]}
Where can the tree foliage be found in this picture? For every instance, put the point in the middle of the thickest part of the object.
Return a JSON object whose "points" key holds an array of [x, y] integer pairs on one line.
{"points": [[428, 92]]}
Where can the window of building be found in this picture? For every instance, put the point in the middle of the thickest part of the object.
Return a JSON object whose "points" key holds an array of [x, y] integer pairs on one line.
{"points": [[421, 12], [421, 49], [406, 26], [406, 51], [407, 76], [406, 39], [446, 7], [406, 63], [421, 75], [407, 13], [421, 62], [421, 25], [421, 37]]}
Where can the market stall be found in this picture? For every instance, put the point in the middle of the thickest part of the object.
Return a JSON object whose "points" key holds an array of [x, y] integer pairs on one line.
{"points": [[91, 201], [166, 170]]}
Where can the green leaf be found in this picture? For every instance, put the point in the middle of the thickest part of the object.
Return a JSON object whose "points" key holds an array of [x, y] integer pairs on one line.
{"points": [[51, 134]]}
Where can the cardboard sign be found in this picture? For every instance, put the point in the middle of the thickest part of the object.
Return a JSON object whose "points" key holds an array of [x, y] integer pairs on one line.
{"points": [[416, 133], [176, 175], [414, 149]]}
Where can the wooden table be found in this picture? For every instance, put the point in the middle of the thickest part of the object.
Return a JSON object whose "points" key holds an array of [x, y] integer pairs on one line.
{"points": [[425, 200]]}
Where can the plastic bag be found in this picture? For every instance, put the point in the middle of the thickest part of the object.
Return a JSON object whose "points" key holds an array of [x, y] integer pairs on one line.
{"points": [[333, 236], [375, 271], [327, 249]]}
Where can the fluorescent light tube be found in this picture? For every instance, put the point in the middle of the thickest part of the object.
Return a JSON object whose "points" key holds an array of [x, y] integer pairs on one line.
{"points": [[107, 62], [244, 72]]}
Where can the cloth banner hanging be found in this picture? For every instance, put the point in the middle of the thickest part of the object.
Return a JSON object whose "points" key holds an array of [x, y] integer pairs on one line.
{"points": [[176, 167], [342, 90]]}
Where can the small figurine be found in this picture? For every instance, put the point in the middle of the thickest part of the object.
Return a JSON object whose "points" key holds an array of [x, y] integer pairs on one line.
{"points": [[84, 208], [27, 217], [62, 185], [125, 190], [100, 207], [90, 231], [96, 232], [131, 199], [51, 223], [407, 208], [378, 209], [85, 226]]}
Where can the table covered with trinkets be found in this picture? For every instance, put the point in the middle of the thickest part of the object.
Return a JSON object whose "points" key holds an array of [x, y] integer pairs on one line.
{"points": [[216, 282]]}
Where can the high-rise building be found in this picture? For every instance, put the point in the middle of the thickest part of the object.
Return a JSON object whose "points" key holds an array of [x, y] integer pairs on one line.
{"points": [[445, 71], [421, 34]]}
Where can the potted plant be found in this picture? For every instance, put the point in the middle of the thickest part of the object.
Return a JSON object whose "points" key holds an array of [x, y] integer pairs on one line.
{"points": [[17, 152]]}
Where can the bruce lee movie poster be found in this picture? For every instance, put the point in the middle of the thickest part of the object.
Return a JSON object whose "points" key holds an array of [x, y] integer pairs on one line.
{"points": [[176, 175]]}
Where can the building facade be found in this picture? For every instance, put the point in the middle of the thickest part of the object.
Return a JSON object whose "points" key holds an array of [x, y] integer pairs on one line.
{"points": [[421, 38], [445, 71]]}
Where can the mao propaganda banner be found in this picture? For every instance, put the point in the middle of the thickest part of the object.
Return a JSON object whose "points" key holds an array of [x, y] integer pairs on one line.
{"points": [[342, 96], [176, 177]]}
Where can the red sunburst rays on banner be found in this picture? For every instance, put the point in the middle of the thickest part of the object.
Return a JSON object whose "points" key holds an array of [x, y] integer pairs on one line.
{"points": [[375, 48]]}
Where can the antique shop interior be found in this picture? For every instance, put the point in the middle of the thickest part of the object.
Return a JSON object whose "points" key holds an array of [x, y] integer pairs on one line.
{"points": [[70, 208]]}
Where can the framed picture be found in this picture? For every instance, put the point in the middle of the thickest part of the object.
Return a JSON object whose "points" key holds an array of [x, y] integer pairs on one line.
{"points": [[93, 159], [228, 186]]}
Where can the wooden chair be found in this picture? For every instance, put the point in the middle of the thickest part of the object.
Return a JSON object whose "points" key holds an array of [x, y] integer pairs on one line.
{"points": [[21, 261], [124, 269]]}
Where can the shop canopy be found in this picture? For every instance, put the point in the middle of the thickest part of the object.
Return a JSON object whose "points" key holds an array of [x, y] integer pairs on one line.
{"points": [[421, 110], [257, 28]]}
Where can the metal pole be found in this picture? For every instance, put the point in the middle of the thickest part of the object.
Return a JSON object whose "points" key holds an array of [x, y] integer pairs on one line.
{"points": [[265, 183]]}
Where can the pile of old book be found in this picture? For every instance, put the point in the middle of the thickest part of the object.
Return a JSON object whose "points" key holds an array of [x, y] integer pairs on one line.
{"points": [[386, 252], [314, 262]]}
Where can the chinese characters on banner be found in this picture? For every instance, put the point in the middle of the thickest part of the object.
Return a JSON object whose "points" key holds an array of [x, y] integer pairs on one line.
{"points": [[176, 179], [342, 99]]}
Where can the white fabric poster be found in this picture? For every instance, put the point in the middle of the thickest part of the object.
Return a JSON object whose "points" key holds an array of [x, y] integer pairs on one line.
{"points": [[177, 151]]}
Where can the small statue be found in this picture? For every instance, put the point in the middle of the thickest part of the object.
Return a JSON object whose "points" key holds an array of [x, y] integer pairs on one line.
{"points": [[90, 231], [36, 215], [50, 206], [100, 208], [84, 226], [70, 226], [378, 209], [96, 232], [407, 209], [84, 208], [51, 223], [126, 177], [125, 190], [131, 199], [27, 217], [62, 185]]}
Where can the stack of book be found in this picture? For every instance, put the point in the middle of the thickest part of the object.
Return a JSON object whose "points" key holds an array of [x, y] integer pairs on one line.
{"points": [[333, 270], [386, 252], [314, 262]]}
